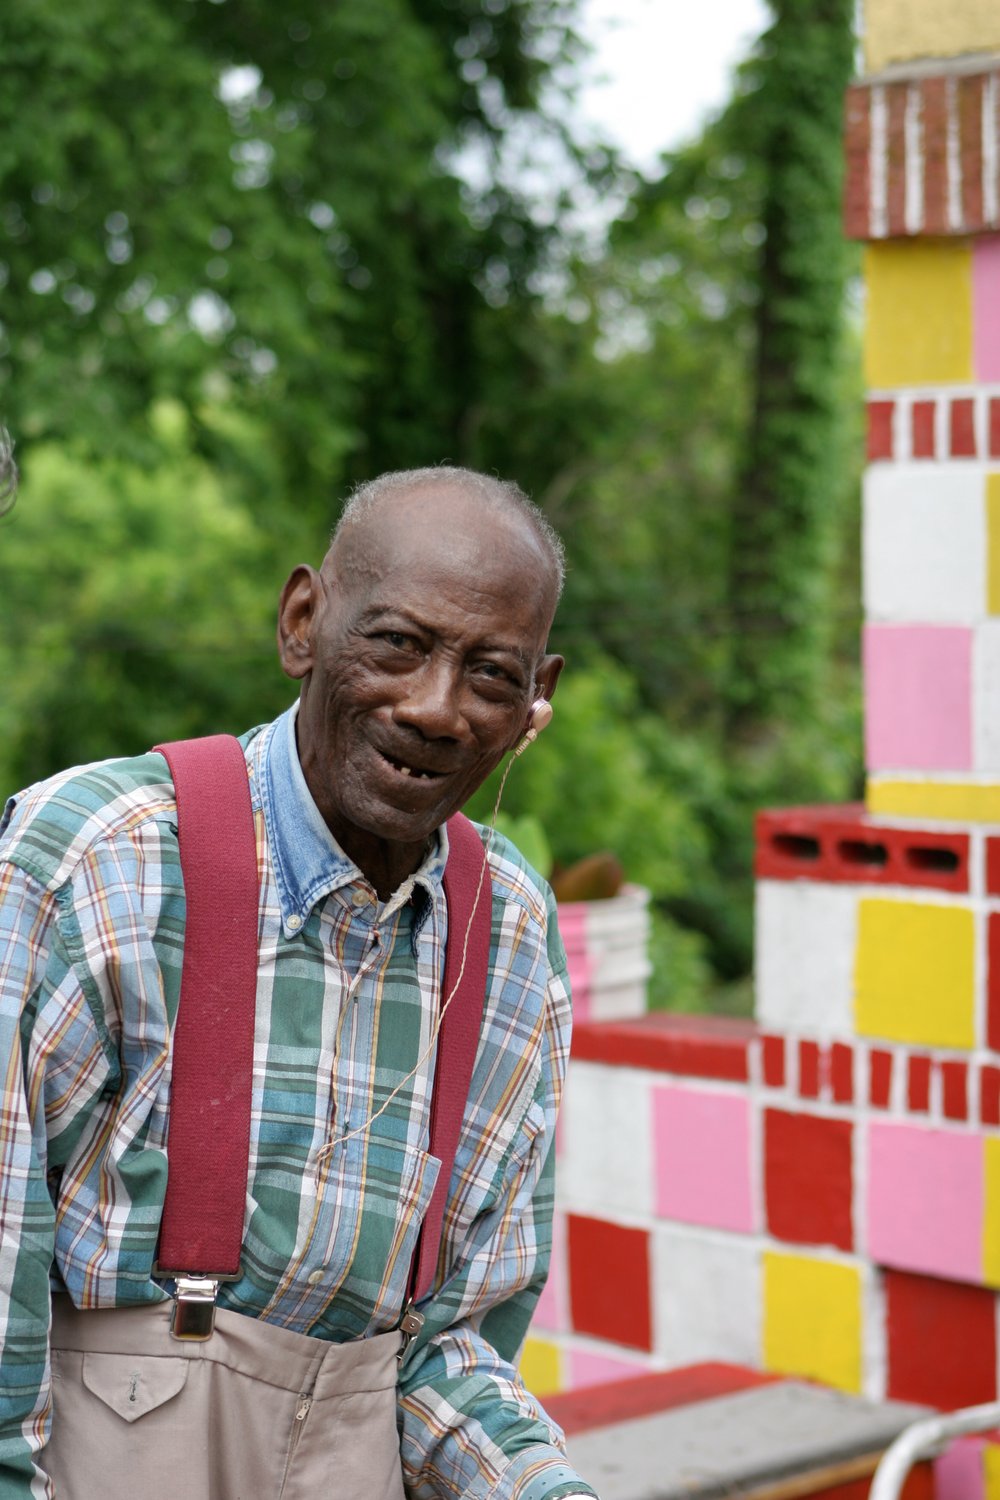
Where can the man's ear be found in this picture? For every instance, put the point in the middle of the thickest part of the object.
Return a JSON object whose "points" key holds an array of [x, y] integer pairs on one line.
{"points": [[547, 675], [300, 601]]}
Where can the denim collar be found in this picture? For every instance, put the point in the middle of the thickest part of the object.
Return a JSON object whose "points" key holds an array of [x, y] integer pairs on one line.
{"points": [[308, 862]]}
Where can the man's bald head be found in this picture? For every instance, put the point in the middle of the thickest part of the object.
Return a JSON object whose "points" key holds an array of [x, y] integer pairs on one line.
{"points": [[495, 497]]}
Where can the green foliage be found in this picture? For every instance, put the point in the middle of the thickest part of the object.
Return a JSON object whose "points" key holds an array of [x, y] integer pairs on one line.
{"points": [[138, 607], [242, 269]]}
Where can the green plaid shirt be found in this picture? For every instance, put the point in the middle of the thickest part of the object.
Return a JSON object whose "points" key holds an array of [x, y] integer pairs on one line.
{"points": [[91, 942]]}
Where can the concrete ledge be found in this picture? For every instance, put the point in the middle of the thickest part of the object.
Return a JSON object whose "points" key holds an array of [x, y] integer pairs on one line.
{"points": [[772, 1440]]}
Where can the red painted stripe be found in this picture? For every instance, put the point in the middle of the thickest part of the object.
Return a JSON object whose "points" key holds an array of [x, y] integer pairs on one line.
{"points": [[697, 1046], [918, 1084], [896, 95], [774, 1061], [809, 1070], [955, 1090], [995, 427], [842, 1072], [923, 435], [880, 430], [625, 1400], [963, 428], [879, 1079], [989, 1096]]}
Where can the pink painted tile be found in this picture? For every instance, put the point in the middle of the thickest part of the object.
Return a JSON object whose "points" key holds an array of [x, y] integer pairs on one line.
{"points": [[573, 931], [550, 1314], [702, 1157], [958, 1473], [925, 1200], [986, 305], [918, 697], [595, 1369]]}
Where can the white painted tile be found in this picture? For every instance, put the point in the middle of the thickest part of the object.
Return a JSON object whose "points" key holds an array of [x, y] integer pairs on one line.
{"points": [[707, 1297], [986, 697], [924, 543], [606, 1142], [805, 939]]}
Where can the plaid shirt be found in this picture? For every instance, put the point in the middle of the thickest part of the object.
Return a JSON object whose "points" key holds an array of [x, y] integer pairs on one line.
{"points": [[91, 943]]}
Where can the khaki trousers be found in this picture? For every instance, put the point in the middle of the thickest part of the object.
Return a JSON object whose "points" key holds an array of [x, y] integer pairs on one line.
{"points": [[253, 1413]]}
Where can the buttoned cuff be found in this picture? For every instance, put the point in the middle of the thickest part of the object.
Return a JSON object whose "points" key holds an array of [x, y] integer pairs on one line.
{"points": [[531, 1476]]}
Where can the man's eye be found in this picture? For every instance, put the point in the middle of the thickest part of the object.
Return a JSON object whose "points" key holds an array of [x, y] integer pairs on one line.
{"points": [[397, 640]]}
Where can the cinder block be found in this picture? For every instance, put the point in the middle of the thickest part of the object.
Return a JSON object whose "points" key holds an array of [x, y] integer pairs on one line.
{"points": [[925, 1200], [542, 1367], [808, 1179], [812, 1319], [918, 324], [924, 541], [806, 935], [707, 1298], [604, 1169], [702, 1155], [986, 305], [609, 1281], [915, 972], [986, 697], [941, 1340], [918, 697]]}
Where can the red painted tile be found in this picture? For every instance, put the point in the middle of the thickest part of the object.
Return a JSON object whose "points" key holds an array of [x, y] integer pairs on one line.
{"points": [[970, 131], [993, 866], [941, 1341], [809, 1070], [896, 157], [695, 1046], [955, 1089], [609, 1306], [857, 145], [918, 1084], [644, 1395], [919, 1485], [922, 433], [935, 113], [842, 1072], [993, 981], [807, 1179], [989, 1095], [880, 430], [963, 428], [879, 1079], [995, 427], [774, 1061]]}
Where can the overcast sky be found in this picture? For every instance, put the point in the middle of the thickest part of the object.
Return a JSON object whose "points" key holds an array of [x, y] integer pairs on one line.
{"points": [[660, 66]]}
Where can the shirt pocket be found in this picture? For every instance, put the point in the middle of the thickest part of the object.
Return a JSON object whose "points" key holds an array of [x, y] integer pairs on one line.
{"points": [[390, 1186]]}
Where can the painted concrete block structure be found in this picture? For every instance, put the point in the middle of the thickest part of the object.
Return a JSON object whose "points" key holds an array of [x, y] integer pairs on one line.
{"points": [[817, 1194]]}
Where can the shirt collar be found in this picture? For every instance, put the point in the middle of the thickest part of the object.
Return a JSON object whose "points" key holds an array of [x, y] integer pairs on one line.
{"points": [[308, 862]]}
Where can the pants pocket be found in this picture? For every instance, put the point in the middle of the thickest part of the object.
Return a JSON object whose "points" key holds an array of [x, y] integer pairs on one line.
{"points": [[133, 1385]]}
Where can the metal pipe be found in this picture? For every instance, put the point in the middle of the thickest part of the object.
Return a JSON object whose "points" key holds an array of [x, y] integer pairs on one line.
{"points": [[925, 1439]]}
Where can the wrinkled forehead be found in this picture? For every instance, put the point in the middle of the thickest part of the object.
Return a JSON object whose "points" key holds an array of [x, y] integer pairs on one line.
{"points": [[433, 535]]}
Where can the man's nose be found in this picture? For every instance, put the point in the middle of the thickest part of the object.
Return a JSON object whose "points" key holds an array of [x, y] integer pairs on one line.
{"points": [[432, 701]]}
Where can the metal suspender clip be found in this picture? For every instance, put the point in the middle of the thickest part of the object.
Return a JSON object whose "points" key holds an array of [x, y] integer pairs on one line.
{"points": [[410, 1325], [193, 1317]]}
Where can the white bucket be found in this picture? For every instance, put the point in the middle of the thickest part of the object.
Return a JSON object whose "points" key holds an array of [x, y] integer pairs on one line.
{"points": [[607, 950]]}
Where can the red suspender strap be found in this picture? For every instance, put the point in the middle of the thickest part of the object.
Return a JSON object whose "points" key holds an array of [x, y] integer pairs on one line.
{"points": [[468, 892], [208, 1140]]}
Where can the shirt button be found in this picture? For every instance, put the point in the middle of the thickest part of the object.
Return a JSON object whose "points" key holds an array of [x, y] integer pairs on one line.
{"points": [[295, 922], [315, 1277], [360, 898]]}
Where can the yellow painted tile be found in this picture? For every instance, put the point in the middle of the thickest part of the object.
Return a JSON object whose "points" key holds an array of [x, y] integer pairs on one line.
{"points": [[991, 1472], [812, 1319], [952, 801], [991, 1212], [918, 316], [914, 972], [541, 1367], [904, 30], [993, 543]]}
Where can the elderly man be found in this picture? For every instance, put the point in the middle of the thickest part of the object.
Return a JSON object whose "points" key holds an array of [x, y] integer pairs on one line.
{"points": [[420, 648]]}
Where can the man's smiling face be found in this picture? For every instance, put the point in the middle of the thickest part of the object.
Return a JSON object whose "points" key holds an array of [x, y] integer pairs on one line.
{"points": [[421, 647]]}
